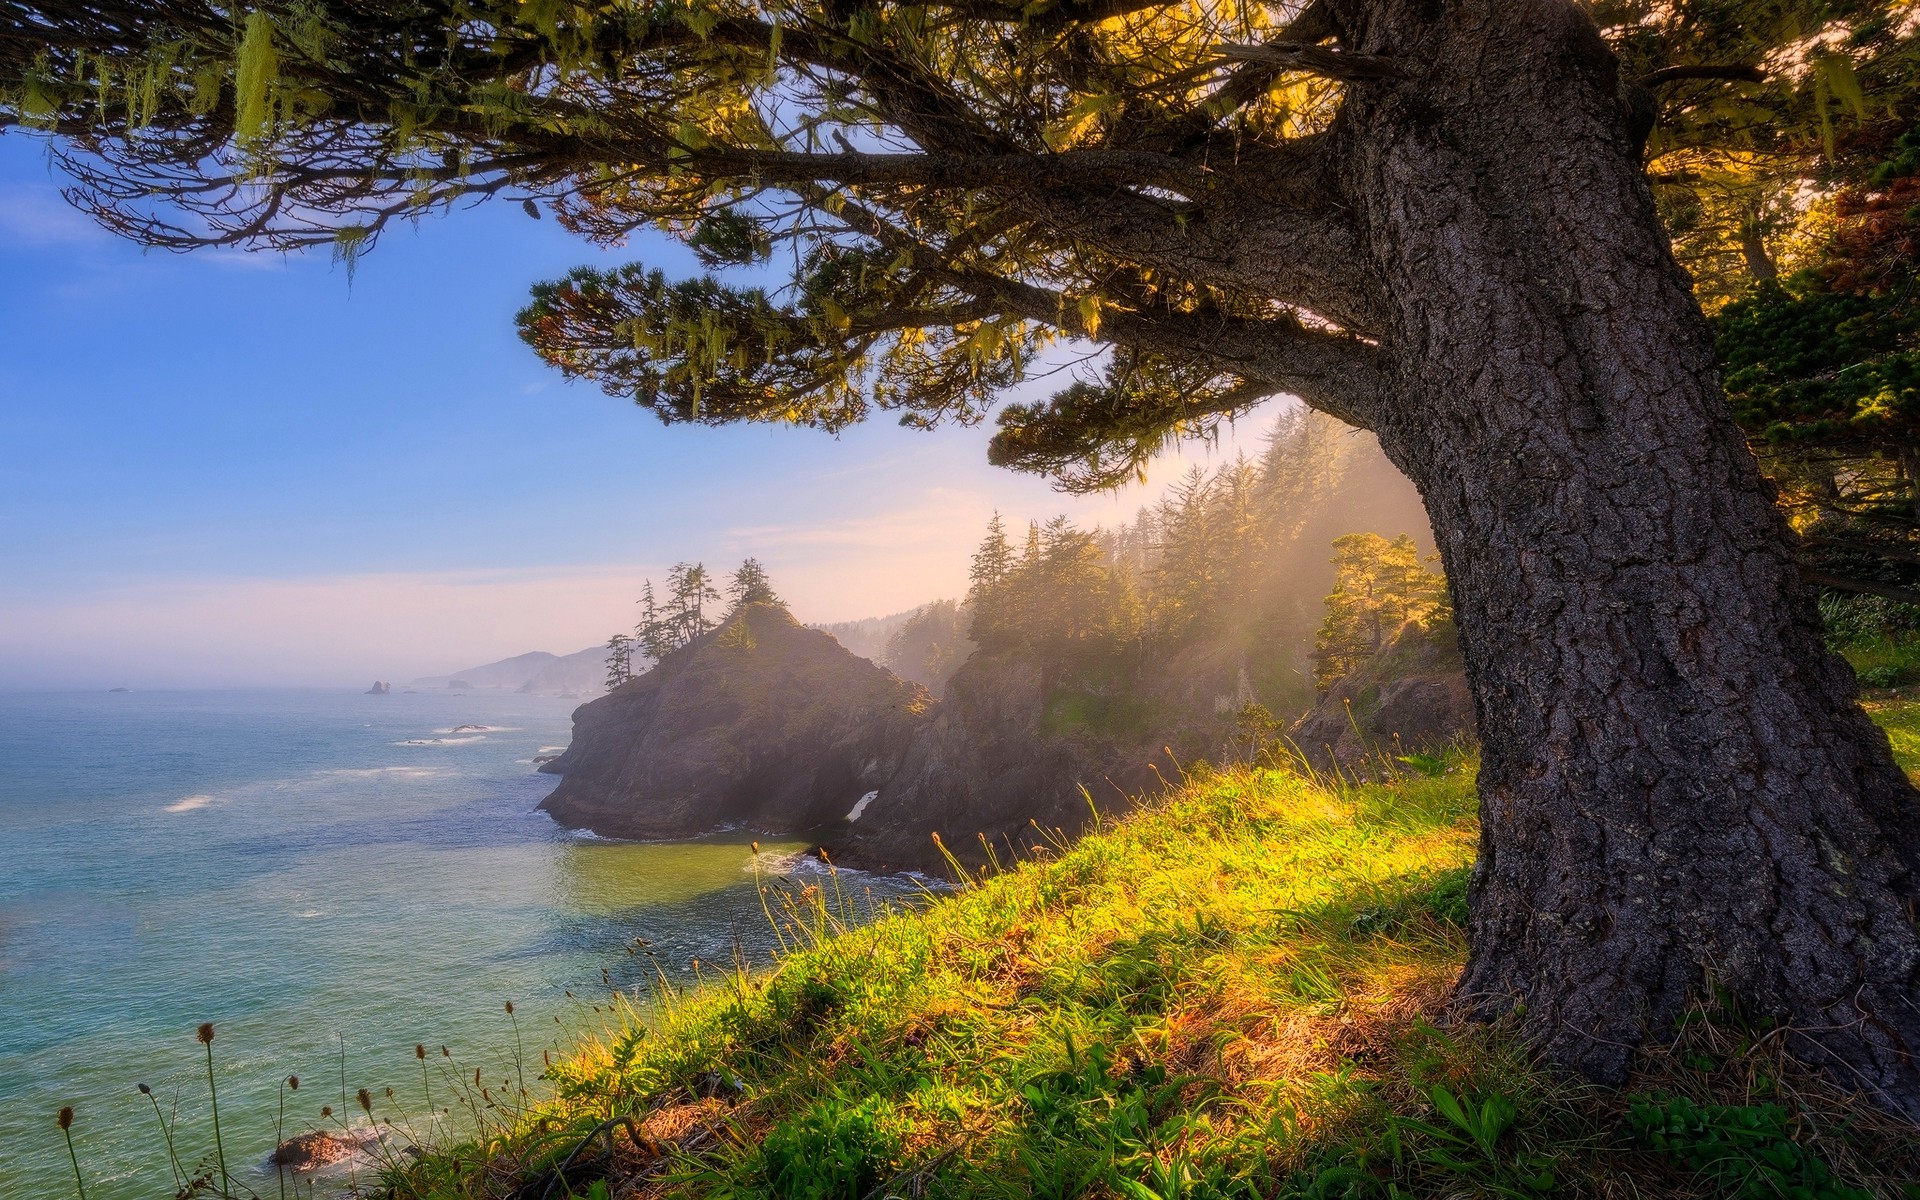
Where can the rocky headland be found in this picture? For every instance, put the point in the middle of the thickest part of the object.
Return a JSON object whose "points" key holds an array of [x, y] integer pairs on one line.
{"points": [[767, 725], [760, 723]]}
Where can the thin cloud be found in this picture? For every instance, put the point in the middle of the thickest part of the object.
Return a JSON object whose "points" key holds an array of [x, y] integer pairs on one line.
{"points": [[39, 216]]}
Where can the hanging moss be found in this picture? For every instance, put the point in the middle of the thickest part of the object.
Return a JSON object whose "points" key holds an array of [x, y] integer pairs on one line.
{"points": [[256, 67]]}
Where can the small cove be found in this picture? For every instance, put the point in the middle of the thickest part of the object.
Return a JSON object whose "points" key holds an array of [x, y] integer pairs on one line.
{"points": [[319, 873]]}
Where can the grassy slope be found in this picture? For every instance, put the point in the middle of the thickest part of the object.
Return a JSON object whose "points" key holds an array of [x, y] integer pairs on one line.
{"points": [[1238, 993]]}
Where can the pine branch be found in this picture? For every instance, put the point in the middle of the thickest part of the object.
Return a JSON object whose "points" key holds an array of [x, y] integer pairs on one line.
{"points": [[1343, 65], [1731, 74]]}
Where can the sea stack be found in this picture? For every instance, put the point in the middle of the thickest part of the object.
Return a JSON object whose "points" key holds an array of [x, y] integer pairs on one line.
{"points": [[760, 723]]}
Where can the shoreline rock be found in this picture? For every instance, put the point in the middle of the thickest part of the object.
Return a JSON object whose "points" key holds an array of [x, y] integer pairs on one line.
{"points": [[760, 723], [321, 1148]]}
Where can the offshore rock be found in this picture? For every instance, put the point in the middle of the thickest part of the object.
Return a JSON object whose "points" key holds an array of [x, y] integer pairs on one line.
{"points": [[310, 1151], [760, 723]]}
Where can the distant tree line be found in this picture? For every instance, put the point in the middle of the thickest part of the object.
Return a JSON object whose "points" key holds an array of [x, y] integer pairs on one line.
{"points": [[1215, 558], [1205, 561], [688, 607], [930, 645]]}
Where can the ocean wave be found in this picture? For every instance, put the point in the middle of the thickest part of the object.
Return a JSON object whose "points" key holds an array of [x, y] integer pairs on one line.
{"points": [[481, 729], [188, 804], [776, 862], [801, 863], [379, 772], [551, 750], [443, 741]]}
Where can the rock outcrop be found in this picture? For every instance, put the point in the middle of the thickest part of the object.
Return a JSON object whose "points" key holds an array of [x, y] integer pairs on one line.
{"points": [[770, 726], [760, 723], [379, 688], [1414, 691], [311, 1151], [987, 767]]}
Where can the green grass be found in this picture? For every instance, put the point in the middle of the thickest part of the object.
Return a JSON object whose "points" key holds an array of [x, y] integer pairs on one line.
{"points": [[1885, 660], [1901, 719], [1238, 993]]}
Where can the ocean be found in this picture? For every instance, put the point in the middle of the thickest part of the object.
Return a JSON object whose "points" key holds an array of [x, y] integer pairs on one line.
{"points": [[330, 879]]}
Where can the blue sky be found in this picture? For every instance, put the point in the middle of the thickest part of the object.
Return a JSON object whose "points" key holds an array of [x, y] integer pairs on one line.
{"points": [[230, 468]]}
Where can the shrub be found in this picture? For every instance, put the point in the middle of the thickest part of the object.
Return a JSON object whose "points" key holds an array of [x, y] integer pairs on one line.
{"points": [[834, 1150], [1740, 1151]]}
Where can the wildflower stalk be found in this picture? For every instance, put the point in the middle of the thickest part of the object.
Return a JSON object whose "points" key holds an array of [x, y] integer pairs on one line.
{"points": [[166, 1131], [205, 1036], [65, 1120], [519, 1055], [280, 1131], [420, 1052]]}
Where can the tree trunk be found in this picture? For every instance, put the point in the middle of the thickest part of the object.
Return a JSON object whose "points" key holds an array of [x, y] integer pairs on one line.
{"points": [[1678, 792], [1910, 468], [1753, 248]]}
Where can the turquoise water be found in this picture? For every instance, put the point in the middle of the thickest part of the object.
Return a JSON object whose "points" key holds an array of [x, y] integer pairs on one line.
{"points": [[329, 878]]}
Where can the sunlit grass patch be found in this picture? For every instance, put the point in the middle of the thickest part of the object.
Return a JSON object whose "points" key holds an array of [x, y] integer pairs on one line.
{"points": [[1241, 992]]}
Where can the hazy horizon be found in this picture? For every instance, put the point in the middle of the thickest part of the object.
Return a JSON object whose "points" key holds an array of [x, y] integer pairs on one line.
{"points": [[233, 470]]}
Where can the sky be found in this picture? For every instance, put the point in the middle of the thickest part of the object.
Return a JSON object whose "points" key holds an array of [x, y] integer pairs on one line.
{"points": [[230, 469]]}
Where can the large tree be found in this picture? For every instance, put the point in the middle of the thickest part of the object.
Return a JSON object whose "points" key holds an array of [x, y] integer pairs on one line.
{"points": [[1429, 218]]}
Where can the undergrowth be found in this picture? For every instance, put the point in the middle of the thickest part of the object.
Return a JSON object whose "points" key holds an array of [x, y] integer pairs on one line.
{"points": [[1239, 993], [1879, 638]]}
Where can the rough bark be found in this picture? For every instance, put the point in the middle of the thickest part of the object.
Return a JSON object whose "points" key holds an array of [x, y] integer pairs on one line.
{"points": [[1678, 791], [1753, 248]]}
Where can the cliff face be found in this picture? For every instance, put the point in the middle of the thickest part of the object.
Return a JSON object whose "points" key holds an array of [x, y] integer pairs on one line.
{"points": [[766, 724], [987, 765], [760, 723], [1415, 690]]}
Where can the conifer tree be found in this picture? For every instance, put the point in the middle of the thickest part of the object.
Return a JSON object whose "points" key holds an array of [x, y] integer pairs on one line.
{"points": [[1430, 219], [689, 591], [750, 585], [1189, 562], [652, 634], [666, 627], [1380, 589], [619, 660], [1071, 591], [987, 580]]}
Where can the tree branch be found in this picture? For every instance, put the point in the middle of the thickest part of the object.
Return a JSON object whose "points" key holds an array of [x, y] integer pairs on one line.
{"points": [[1732, 74], [1864, 587], [1343, 65], [1068, 169], [1335, 372]]}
